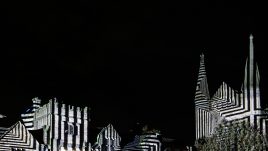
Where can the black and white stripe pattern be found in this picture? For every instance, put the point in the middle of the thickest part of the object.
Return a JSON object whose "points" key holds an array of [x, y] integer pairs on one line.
{"points": [[64, 127], [146, 142], [18, 137], [107, 140], [3, 130], [28, 116], [229, 104], [202, 103]]}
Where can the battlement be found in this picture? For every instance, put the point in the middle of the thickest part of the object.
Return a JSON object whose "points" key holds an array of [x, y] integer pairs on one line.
{"points": [[61, 118], [71, 108]]}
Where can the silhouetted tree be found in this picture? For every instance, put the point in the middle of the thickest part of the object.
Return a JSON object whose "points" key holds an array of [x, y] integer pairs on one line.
{"points": [[232, 137]]}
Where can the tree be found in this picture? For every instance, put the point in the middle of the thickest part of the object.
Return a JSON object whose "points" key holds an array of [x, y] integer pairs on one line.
{"points": [[234, 136]]}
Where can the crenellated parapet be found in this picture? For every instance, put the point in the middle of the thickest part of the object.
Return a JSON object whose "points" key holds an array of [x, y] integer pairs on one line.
{"points": [[28, 115], [64, 126]]}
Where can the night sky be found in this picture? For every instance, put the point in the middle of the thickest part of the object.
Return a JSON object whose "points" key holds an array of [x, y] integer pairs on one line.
{"points": [[130, 61]]}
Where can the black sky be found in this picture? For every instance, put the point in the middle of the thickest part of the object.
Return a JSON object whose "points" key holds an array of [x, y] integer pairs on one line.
{"points": [[130, 61]]}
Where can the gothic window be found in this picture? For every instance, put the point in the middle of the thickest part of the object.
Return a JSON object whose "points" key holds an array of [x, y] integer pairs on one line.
{"points": [[70, 129]]}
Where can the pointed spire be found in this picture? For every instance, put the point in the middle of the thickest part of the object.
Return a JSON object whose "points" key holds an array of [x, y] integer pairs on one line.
{"points": [[258, 102], [202, 59], [202, 86], [251, 60], [245, 76], [202, 70], [250, 36], [257, 75], [251, 79], [249, 67]]}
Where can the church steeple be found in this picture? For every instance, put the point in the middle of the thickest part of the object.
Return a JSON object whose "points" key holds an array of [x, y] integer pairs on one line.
{"points": [[254, 78], [251, 80], [202, 102], [227, 104], [251, 60], [250, 66], [202, 91]]}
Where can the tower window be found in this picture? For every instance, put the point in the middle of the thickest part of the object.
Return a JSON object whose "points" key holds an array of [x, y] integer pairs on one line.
{"points": [[70, 129]]}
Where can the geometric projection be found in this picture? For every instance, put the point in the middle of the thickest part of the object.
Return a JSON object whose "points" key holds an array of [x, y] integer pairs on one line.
{"points": [[65, 127], [28, 116], [107, 140], [17, 137], [228, 104], [3, 131], [145, 142]]}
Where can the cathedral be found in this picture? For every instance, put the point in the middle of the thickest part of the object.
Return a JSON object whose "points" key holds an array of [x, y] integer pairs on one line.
{"points": [[56, 126], [66, 128], [61, 127], [228, 104]]}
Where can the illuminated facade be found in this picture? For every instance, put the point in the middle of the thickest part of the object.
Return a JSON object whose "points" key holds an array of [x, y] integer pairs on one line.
{"points": [[18, 138], [145, 142], [107, 140], [228, 104], [64, 127]]}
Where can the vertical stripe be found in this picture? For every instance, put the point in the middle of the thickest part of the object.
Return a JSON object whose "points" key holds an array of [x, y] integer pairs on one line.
{"points": [[229, 104]]}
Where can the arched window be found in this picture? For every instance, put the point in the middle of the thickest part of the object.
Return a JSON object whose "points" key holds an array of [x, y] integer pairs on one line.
{"points": [[70, 129]]}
